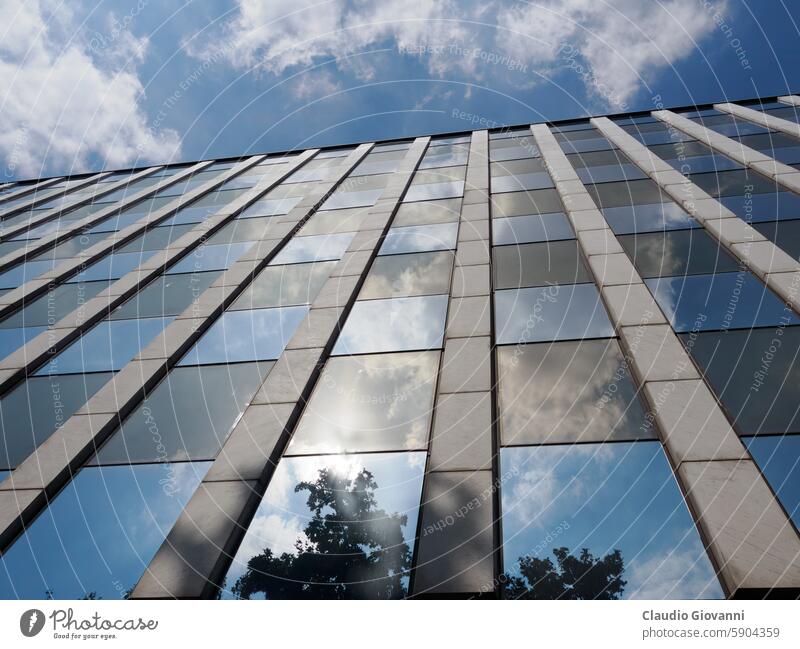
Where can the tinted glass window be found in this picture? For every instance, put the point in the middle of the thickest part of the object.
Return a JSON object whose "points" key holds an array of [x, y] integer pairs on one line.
{"points": [[290, 285], [57, 303], [425, 273], [398, 324], [368, 505], [377, 402], [764, 207], [633, 192], [427, 212], [33, 410], [648, 218], [188, 416], [543, 201], [539, 264], [722, 301], [615, 504], [602, 404], [734, 183], [99, 534], [529, 229], [108, 346], [433, 191], [210, 257], [112, 266], [785, 234], [560, 312], [680, 252], [318, 248], [778, 457], [759, 397], [168, 295], [420, 238], [252, 335]]}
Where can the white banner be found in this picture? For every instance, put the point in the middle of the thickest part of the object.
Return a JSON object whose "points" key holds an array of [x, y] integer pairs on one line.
{"points": [[400, 624]]}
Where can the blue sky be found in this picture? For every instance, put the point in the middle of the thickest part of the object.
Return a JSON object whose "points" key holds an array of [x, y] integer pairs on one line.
{"points": [[109, 84]]}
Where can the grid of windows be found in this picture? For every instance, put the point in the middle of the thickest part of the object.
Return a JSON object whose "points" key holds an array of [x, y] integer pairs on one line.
{"points": [[475, 309]]}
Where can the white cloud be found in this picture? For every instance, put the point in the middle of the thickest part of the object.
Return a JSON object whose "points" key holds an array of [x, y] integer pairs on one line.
{"points": [[612, 45], [69, 97]]}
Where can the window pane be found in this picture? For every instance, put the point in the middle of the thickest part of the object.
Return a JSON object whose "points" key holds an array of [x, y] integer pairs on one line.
{"points": [[98, 536], [539, 180], [156, 238], [539, 264], [420, 238], [633, 192], [398, 324], [617, 512], [428, 212], [168, 295], [543, 201], [679, 252], [723, 301], [326, 555], [290, 285], [334, 221], [764, 207], [565, 312], [369, 403], [432, 191], [270, 207], [108, 346], [778, 457], [568, 392], [318, 248], [734, 183], [188, 416], [425, 273], [252, 335], [209, 257], [112, 266], [654, 217], [784, 234], [54, 305], [756, 375], [525, 229], [12, 339], [33, 410]]}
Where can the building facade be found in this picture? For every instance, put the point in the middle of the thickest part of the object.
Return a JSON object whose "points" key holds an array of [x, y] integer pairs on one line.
{"points": [[547, 361]]}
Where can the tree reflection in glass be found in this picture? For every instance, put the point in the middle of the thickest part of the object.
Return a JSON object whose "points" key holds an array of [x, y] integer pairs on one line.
{"points": [[335, 527]]}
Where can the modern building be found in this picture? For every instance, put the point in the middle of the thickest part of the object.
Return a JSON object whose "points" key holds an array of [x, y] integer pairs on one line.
{"points": [[545, 361]]}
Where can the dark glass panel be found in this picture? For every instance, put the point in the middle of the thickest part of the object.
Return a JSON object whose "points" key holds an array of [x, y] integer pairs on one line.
{"points": [[378, 402], [290, 285], [559, 312], [722, 301], [539, 264], [425, 273], [333, 527], [188, 416], [394, 325], [251, 335], [567, 392], [32, 411], [756, 375], [99, 534], [599, 521]]}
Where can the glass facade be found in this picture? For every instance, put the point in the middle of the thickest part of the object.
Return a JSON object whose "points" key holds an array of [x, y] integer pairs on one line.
{"points": [[418, 377]]}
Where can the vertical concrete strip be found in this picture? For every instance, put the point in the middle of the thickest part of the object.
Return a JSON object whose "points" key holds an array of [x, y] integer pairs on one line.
{"points": [[198, 549], [761, 118], [455, 554], [45, 471], [779, 270], [754, 545]]}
